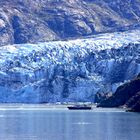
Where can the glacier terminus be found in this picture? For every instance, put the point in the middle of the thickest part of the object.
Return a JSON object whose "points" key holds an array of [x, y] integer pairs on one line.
{"points": [[68, 71]]}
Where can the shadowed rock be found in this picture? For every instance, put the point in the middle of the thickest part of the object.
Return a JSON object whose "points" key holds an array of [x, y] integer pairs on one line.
{"points": [[125, 94]]}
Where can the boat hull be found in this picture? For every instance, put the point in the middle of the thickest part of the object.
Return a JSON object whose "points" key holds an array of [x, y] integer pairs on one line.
{"points": [[79, 108]]}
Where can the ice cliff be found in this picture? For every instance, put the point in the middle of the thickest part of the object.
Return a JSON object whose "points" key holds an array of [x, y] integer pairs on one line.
{"points": [[68, 70]]}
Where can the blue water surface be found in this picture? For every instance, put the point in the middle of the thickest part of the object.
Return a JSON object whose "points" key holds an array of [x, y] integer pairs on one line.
{"points": [[63, 124]]}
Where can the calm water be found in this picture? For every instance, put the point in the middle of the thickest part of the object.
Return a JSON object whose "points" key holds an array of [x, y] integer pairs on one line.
{"points": [[63, 124]]}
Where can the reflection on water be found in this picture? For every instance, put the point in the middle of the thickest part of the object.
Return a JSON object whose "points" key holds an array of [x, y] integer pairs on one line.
{"points": [[68, 125]]}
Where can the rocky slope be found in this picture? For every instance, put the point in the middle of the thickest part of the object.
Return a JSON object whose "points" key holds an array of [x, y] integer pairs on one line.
{"points": [[136, 107], [42, 20], [68, 71], [134, 103], [128, 94]]}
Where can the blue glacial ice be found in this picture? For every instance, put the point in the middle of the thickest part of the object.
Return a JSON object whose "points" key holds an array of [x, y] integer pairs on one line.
{"points": [[68, 71]]}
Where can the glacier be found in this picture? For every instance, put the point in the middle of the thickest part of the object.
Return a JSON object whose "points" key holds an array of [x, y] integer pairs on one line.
{"points": [[68, 71]]}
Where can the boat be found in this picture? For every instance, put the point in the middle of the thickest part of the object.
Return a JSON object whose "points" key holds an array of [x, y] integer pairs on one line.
{"points": [[79, 107]]}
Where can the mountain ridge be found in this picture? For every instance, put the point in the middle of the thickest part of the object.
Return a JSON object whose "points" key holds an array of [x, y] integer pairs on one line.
{"points": [[45, 20]]}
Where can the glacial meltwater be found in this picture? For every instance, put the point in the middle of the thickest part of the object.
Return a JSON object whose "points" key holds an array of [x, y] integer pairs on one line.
{"points": [[40, 123]]}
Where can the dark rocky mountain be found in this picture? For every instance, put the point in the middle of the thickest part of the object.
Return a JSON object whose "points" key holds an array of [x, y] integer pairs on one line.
{"points": [[126, 95], [42, 20], [133, 100], [136, 107]]}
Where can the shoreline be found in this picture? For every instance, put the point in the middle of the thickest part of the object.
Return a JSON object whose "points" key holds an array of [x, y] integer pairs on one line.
{"points": [[54, 107]]}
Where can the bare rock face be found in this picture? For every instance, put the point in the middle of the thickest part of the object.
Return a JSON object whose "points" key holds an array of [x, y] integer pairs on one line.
{"points": [[6, 35], [136, 107], [132, 102], [43, 20]]}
